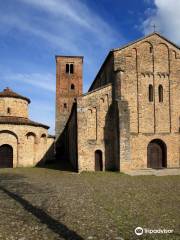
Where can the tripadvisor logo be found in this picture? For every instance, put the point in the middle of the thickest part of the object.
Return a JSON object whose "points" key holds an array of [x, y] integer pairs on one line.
{"points": [[139, 231]]}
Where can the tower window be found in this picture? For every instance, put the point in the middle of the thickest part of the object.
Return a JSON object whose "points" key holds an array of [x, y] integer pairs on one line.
{"points": [[65, 105], [8, 110], [69, 68], [150, 93], [72, 87], [160, 91]]}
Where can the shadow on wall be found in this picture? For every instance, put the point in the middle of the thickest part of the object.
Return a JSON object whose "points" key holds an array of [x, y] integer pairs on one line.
{"points": [[57, 227], [48, 158], [111, 138], [66, 144]]}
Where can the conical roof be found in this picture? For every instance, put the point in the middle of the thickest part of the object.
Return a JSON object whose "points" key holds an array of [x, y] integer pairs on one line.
{"points": [[7, 92]]}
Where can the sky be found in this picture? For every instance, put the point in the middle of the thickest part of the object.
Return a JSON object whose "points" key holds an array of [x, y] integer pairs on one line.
{"points": [[32, 32]]}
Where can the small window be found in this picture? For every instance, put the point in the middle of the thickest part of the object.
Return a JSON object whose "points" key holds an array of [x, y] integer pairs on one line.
{"points": [[65, 105], [150, 49], [160, 90], [8, 110], [69, 68], [72, 87], [150, 93]]}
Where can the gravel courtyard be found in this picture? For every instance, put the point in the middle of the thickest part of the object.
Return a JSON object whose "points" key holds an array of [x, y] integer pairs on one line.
{"points": [[38, 204]]}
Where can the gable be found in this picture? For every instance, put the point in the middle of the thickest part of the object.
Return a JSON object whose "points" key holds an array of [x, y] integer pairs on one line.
{"points": [[152, 37]]}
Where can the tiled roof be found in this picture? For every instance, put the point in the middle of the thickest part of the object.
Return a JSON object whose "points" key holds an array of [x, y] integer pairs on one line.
{"points": [[7, 92], [20, 121]]}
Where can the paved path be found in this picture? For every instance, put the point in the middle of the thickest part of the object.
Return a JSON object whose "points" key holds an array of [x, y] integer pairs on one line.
{"points": [[160, 172]]}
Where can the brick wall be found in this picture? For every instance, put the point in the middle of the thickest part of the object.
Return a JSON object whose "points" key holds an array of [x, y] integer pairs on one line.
{"points": [[65, 95]]}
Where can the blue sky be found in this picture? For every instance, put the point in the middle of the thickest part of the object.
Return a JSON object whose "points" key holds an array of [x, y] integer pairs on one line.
{"points": [[32, 32]]}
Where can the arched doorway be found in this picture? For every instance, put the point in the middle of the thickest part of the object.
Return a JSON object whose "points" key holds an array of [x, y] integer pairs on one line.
{"points": [[157, 154], [6, 156], [98, 160]]}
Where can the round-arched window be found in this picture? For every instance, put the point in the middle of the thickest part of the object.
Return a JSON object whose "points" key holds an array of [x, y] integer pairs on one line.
{"points": [[160, 90], [72, 87]]}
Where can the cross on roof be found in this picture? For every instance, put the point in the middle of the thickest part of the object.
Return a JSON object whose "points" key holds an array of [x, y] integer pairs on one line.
{"points": [[154, 27]]}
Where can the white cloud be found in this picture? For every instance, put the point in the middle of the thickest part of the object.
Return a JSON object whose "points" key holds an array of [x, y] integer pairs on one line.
{"points": [[76, 12], [44, 81], [41, 84], [67, 25], [25, 24], [166, 17]]}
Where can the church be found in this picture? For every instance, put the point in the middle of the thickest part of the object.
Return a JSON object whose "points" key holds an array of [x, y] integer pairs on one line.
{"points": [[130, 117]]}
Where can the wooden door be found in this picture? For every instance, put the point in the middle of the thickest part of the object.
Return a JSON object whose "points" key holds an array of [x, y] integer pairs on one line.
{"points": [[6, 156], [155, 155]]}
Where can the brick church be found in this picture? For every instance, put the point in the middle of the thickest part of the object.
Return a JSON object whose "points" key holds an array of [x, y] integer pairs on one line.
{"points": [[130, 117]]}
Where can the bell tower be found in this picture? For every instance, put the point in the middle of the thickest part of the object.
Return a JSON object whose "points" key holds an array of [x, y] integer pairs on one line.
{"points": [[68, 87]]}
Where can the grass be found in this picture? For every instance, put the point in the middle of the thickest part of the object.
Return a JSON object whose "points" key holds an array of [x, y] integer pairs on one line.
{"points": [[88, 205]]}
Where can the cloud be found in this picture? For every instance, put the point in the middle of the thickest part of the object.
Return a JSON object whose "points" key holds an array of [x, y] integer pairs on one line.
{"points": [[69, 27], [39, 87], [44, 81], [76, 12], [66, 25], [165, 15], [24, 24]]}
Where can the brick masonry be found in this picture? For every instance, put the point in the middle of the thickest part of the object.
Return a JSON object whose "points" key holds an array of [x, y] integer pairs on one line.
{"points": [[65, 95], [116, 116]]}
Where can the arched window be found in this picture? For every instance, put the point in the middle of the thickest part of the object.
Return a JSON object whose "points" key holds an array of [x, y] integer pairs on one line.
{"points": [[8, 110], [43, 138], [150, 49], [150, 93], [65, 105], [160, 90], [67, 68], [72, 87], [71, 68]]}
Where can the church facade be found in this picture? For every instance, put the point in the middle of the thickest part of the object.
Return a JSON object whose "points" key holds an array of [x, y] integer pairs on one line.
{"points": [[130, 117]]}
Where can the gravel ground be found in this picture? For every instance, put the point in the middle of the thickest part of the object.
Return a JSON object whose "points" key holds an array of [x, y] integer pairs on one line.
{"points": [[37, 203]]}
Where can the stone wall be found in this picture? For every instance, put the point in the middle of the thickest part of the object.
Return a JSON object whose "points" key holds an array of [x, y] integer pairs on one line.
{"points": [[96, 128], [133, 100], [151, 61], [105, 74], [13, 107], [30, 144], [71, 138]]}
